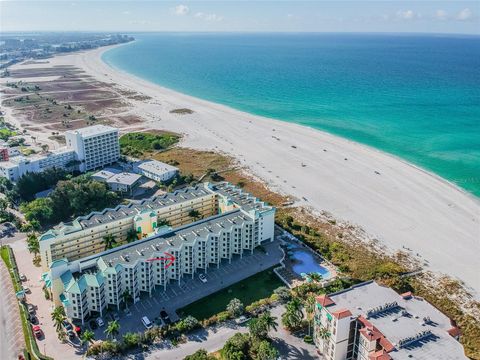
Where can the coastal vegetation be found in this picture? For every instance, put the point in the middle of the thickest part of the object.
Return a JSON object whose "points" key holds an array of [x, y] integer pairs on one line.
{"points": [[140, 144], [182, 111], [69, 199]]}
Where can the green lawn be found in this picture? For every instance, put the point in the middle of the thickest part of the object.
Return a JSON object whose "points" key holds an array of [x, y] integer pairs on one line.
{"points": [[256, 287]]}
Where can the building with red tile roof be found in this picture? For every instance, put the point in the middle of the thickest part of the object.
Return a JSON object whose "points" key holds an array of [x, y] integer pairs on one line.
{"points": [[372, 322]]}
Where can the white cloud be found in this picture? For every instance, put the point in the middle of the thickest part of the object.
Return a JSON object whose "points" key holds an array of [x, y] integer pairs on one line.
{"points": [[465, 14], [181, 10], [208, 17], [406, 14], [126, 12], [441, 14]]}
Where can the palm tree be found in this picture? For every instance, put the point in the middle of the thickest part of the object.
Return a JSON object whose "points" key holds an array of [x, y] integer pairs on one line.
{"points": [[194, 214], [126, 297], [295, 306], [33, 244], [291, 320], [113, 328], [315, 276], [109, 241], [310, 309], [269, 320], [323, 333], [163, 222], [131, 235], [87, 337], [58, 315]]}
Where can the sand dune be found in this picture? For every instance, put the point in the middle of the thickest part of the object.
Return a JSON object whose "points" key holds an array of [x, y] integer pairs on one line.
{"points": [[394, 201]]}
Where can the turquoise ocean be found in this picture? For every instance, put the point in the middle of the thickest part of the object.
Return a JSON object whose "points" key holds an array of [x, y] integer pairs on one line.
{"points": [[414, 96]]}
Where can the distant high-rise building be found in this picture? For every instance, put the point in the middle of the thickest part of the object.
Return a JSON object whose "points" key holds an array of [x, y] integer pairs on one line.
{"points": [[95, 146], [87, 148]]}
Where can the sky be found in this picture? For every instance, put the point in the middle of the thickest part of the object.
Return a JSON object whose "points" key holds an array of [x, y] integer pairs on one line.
{"points": [[459, 17]]}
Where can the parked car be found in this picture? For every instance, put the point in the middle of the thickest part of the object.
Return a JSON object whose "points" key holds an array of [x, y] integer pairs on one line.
{"points": [[100, 322], [33, 319], [146, 322], [93, 324], [26, 289], [31, 309], [67, 326], [37, 331], [242, 319], [165, 317], [23, 277], [71, 334], [78, 330], [202, 278]]}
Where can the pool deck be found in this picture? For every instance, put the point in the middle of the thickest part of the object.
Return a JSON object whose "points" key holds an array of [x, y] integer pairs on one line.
{"points": [[286, 271]]}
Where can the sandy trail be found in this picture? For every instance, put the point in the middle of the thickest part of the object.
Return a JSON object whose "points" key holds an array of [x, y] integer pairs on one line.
{"points": [[399, 204]]}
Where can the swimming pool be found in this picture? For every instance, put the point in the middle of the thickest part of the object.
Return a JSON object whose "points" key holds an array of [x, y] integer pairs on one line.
{"points": [[306, 263]]}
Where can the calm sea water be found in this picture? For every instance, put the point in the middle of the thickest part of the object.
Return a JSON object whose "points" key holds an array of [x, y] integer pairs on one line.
{"points": [[415, 96]]}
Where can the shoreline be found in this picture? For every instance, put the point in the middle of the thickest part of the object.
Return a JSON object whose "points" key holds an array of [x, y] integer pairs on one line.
{"points": [[402, 206], [368, 147]]}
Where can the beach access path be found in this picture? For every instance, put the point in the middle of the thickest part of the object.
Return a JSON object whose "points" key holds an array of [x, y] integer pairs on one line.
{"points": [[400, 205]]}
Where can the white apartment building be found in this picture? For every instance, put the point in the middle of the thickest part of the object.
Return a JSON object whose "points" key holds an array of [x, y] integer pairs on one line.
{"points": [[155, 170], [87, 148], [87, 285], [95, 146], [18, 166], [372, 322]]}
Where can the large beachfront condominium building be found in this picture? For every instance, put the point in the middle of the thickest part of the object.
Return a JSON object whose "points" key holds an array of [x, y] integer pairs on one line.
{"points": [[372, 322], [94, 146], [86, 286], [84, 235]]}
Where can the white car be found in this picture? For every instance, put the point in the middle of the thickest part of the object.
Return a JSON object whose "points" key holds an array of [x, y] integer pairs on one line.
{"points": [[242, 319], [202, 278], [26, 289], [100, 322], [23, 277], [146, 322]]}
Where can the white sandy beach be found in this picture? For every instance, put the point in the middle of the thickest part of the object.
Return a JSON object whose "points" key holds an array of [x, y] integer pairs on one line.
{"points": [[401, 206]]}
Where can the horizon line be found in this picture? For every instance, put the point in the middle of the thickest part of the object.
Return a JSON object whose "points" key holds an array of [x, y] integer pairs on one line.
{"points": [[126, 32]]}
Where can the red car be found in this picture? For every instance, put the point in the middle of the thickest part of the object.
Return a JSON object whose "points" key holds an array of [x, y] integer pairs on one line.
{"points": [[37, 331], [78, 330]]}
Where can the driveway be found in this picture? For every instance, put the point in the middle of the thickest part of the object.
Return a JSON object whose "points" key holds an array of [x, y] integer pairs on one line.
{"points": [[178, 295], [289, 346]]}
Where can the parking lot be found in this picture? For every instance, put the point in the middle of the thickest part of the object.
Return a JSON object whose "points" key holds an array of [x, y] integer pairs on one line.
{"points": [[191, 289]]}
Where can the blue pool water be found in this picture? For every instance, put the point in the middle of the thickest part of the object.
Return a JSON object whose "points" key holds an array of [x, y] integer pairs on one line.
{"points": [[307, 264]]}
